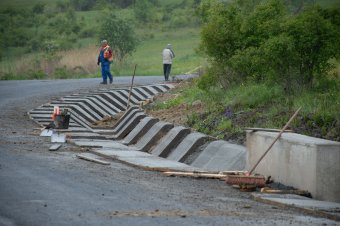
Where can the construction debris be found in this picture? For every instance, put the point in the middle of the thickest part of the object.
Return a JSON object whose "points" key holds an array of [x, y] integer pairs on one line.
{"points": [[58, 138], [195, 174], [92, 158], [244, 180], [218, 175], [46, 133], [55, 147], [276, 191], [268, 130], [108, 120]]}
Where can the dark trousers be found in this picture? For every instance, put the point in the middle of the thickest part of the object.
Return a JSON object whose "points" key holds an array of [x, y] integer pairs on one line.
{"points": [[166, 70]]}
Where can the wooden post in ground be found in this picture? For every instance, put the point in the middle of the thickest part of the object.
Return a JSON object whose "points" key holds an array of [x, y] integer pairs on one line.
{"points": [[133, 78]]}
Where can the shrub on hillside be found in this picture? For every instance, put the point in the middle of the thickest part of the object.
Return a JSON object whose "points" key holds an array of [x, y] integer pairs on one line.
{"points": [[264, 42]]}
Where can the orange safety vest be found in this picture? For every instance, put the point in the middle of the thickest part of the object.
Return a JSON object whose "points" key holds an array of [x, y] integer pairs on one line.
{"points": [[107, 54]]}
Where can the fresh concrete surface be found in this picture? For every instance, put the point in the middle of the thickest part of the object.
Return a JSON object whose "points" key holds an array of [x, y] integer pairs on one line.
{"points": [[140, 130], [221, 156], [170, 141], [322, 208], [300, 161], [187, 146], [153, 136]]}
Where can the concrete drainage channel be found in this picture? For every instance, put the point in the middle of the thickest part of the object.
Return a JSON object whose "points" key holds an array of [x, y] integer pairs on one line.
{"points": [[148, 143], [151, 144]]}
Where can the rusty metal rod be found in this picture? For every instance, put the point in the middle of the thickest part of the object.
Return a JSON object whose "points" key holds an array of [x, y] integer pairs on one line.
{"points": [[277, 137]]}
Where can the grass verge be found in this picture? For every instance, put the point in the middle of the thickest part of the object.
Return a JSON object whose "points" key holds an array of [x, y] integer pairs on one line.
{"points": [[225, 113]]}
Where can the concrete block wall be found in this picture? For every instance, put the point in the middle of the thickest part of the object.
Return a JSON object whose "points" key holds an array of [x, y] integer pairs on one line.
{"points": [[300, 161]]}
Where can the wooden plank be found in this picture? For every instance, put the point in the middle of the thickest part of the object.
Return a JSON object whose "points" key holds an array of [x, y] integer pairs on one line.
{"points": [[295, 192], [233, 172], [55, 147], [195, 174], [267, 130], [88, 158]]}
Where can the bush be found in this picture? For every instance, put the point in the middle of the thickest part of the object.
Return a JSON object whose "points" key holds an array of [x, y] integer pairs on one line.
{"points": [[206, 81], [32, 74], [61, 73], [263, 42]]}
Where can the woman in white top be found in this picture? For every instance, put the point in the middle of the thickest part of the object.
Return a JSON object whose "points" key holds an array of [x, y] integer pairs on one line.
{"points": [[168, 54]]}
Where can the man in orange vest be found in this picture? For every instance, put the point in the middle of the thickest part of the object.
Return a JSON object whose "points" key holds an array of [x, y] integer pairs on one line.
{"points": [[105, 59]]}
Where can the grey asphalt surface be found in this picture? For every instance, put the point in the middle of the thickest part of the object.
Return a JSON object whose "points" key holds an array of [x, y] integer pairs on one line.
{"points": [[38, 187]]}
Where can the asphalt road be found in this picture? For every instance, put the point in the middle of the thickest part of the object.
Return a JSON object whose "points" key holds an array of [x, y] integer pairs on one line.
{"points": [[38, 187]]}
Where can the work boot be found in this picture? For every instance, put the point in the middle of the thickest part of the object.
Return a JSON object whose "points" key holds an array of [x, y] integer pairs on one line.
{"points": [[111, 80], [103, 82]]}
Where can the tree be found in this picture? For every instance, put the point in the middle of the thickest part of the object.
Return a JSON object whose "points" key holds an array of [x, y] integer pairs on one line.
{"points": [[279, 54], [316, 40], [221, 37], [120, 36], [265, 42]]}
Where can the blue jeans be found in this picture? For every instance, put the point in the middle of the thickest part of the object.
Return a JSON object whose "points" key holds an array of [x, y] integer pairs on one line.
{"points": [[106, 72]]}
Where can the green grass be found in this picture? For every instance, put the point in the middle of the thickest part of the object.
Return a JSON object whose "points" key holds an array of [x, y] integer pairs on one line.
{"points": [[148, 55], [266, 106]]}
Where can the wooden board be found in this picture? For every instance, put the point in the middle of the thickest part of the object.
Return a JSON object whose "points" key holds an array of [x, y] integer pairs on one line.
{"points": [[195, 174], [267, 130]]}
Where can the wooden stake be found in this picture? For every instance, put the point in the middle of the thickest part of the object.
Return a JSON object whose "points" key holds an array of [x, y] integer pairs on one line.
{"points": [[133, 77], [277, 137]]}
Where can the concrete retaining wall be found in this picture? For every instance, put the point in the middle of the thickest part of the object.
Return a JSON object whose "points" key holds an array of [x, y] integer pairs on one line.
{"points": [[300, 161]]}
